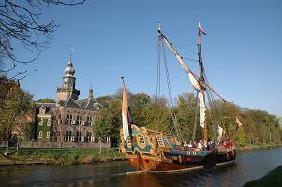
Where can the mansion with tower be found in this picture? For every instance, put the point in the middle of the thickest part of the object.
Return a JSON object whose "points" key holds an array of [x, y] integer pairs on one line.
{"points": [[69, 119]]}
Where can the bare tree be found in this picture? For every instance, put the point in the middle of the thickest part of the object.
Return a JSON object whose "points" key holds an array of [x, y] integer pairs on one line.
{"points": [[21, 25]]}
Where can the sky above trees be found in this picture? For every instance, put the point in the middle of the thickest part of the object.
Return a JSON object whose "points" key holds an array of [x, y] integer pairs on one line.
{"points": [[241, 52]]}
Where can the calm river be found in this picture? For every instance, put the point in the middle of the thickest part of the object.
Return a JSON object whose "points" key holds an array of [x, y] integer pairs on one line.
{"points": [[248, 166]]}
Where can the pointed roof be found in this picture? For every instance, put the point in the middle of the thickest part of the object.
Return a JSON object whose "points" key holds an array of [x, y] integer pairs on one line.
{"points": [[88, 103], [70, 103]]}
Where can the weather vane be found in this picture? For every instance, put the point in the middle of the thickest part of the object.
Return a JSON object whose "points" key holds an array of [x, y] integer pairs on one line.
{"points": [[71, 50]]}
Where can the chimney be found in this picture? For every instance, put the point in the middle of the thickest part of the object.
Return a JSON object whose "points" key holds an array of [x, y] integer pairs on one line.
{"points": [[90, 95]]}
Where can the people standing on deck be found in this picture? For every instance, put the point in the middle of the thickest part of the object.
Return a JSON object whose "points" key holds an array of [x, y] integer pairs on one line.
{"points": [[200, 145], [185, 145], [195, 144], [190, 145]]}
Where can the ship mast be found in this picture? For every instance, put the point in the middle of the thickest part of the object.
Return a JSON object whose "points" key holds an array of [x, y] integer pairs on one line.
{"points": [[202, 84], [198, 83]]}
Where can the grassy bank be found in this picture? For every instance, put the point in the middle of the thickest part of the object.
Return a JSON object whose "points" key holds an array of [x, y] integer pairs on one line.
{"points": [[273, 178], [251, 147], [58, 156], [78, 156]]}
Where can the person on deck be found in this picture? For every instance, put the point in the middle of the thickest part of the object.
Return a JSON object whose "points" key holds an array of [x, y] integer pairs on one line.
{"points": [[200, 146], [190, 145], [185, 145], [195, 144]]}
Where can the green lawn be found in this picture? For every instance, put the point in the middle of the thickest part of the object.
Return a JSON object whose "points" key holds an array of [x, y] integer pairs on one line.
{"points": [[59, 156]]}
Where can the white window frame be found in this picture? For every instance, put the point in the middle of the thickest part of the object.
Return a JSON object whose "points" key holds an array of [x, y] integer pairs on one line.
{"points": [[40, 134], [41, 121], [49, 122], [48, 134]]}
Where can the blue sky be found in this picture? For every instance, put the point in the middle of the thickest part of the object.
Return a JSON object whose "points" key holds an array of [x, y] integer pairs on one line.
{"points": [[242, 51]]}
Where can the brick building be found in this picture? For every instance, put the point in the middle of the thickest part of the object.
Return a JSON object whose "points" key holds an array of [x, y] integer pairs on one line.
{"points": [[70, 119]]}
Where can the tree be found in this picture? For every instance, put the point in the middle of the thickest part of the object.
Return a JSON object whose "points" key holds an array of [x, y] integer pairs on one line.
{"points": [[15, 109], [21, 24], [46, 100], [109, 121], [187, 115]]}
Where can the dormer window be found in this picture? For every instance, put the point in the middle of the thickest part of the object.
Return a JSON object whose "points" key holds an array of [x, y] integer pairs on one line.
{"points": [[42, 110]]}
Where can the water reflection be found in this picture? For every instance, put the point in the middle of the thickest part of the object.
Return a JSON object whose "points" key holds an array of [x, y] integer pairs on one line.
{"points": [[249, 166]]}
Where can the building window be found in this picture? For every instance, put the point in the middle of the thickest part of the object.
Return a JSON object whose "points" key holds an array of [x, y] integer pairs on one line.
{"points": [[78, 136], [89, 120], [78, 120], [69, 119], [68, 136], [48, 134], [40, 134], [88, 137], [49, 122], [41, 121]]}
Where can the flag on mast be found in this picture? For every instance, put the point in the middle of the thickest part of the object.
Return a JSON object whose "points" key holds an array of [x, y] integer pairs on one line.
{"points": [[125, 112], [201, 29]]}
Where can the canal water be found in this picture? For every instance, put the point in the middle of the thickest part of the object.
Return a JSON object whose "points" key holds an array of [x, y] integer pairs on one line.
{"points": [[249, 166]]}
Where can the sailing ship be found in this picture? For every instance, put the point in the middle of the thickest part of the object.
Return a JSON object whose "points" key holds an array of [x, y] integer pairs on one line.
{"points": [[149, 150]]}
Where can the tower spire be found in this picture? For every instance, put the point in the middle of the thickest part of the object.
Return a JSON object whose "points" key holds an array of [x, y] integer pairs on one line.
{"points": [[70, 55], [91, 94]]}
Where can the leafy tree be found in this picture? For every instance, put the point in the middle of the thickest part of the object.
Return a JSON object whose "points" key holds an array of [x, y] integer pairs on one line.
{"points": [[109, 120], [157, 116], [188, 116], [46, 100], [15, 108], [258, 126]]}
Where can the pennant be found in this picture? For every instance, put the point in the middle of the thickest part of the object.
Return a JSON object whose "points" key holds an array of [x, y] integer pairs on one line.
{"points": [[201, 29], [124, 112], [129, 116]]}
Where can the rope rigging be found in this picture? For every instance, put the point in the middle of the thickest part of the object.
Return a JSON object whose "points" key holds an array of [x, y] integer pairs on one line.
{"points": [[199, 82], [163, 59]]}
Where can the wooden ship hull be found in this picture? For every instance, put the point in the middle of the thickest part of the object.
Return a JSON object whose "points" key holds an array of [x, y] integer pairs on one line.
{"points": [[154, 151], [149, 163]]}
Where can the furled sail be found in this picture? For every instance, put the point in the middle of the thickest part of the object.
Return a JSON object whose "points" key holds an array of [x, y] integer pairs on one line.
{"points": [[194, 82], [220, 131], [124, 112], [192, 77], [202, 108]]}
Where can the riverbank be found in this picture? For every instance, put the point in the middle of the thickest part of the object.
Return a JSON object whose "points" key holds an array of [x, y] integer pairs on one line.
{"points": [[272, 178], [78, 156], [252, 147], [59, 156]]}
